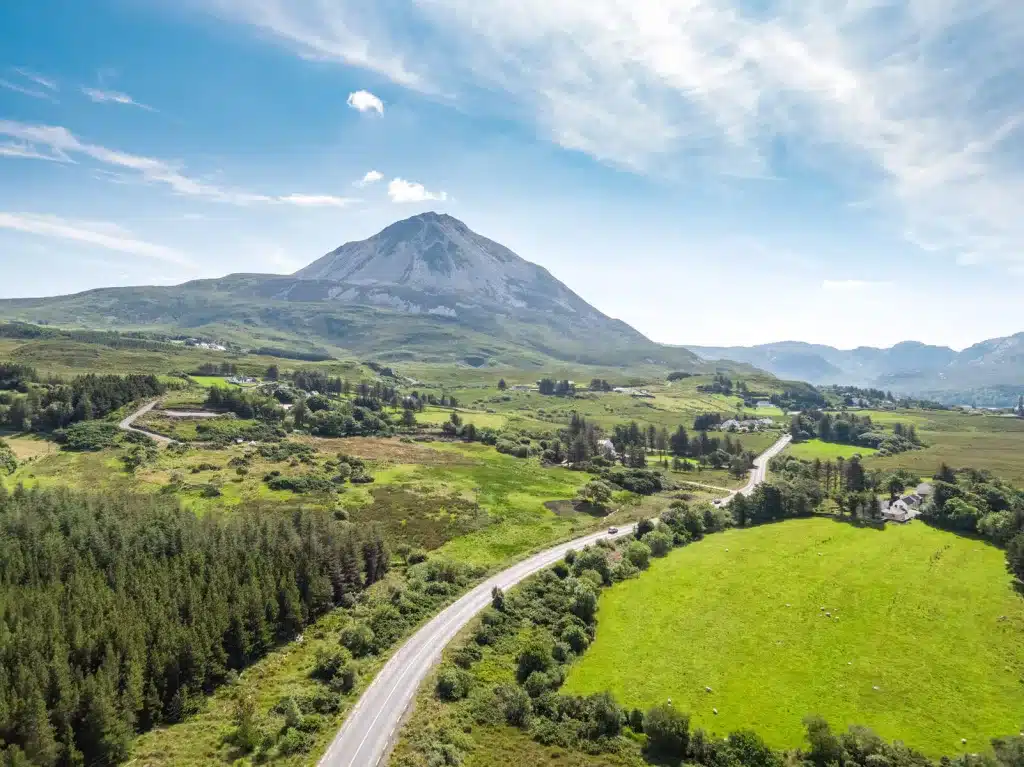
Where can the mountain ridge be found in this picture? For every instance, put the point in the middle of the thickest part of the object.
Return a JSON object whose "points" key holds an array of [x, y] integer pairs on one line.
{"points": [[427, 287], [908, 366]]}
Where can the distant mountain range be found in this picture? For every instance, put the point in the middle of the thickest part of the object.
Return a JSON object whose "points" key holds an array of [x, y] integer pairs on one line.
{"points": [[988, 373], [427, 289]]}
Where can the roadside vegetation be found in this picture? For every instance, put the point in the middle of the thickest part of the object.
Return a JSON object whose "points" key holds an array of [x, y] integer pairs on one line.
{"points": [[557, 672]]}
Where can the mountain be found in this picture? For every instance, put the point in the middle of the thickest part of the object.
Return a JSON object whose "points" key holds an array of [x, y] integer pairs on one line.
{"points": [[988, 373], [427, 288]]}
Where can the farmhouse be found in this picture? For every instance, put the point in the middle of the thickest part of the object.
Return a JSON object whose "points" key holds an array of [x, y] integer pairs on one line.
{"points": [[906, 508]]}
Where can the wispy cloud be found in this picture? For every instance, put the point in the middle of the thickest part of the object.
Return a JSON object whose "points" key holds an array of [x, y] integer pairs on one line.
{"points": [[907, 103], [302, 27], [850, 286], [317, 200], [400, 190], [114, 97], [58, 144], [48, 83], [37, 86], [35, 93], [365, 101], [371, 177], [98, 233]]}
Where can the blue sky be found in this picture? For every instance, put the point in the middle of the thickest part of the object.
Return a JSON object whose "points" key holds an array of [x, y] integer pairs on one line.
{"points": [[847, 172]]}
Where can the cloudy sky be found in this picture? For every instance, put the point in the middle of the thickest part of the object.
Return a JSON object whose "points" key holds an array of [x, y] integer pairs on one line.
{"points": [[711, 171]]}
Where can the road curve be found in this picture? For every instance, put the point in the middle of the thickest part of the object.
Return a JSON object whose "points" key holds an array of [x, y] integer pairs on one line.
{"points": [[367, 733], [126, 424]]}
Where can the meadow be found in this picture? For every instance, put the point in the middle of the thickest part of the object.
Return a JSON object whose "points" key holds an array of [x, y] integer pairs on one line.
{"points": [[827, 451], [977, 440], [908, 630]]}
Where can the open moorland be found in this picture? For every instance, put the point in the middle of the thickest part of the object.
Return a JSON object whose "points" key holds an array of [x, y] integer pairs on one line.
{"points": [[956, 438], [911, 631]]}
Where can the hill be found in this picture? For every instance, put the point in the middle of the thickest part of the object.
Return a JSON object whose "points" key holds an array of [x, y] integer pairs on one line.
{"points": [[427, 288], [988, 373]]}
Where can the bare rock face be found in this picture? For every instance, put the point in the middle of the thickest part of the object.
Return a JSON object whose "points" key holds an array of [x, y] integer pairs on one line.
{"points": [[436, 256]]}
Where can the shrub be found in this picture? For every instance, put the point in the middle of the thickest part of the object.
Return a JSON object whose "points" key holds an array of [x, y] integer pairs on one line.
{"points": [[453, 683], [514, 704], [89, 435], [658, 542], [466, 656], [8, 461], [295, 742], [576, 637], [536, 655], [537, 684], [639, 553], [331, 664], [668, 732], [358, 639]]}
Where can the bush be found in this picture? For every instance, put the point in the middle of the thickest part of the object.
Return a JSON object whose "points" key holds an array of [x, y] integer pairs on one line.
{"points": [[453, 683], [466, 656], [514, 704], [358, 639], [668, 732], [8, 461], [658, 542], [537, 684], [295, 742], [89, 435], [639, 553], [536, 655], [334, 664]]}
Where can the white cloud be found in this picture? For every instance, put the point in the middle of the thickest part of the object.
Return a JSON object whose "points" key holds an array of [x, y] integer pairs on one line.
{"points": [[371, 177], [365, 101], [909, 103], [114, 97], [400, 190], [35, 93], [321, 31], [58, 144], [99, 233], [38, 79], [848, 286], [316, 200]]}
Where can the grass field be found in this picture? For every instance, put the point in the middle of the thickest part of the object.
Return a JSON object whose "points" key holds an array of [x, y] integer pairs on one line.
{"points": [[218, 381], [917, 647], [959, 439], [435, 416], [827, 451]]}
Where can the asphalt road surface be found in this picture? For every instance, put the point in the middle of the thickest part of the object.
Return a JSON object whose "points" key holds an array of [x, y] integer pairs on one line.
{"points": [[126, 424], [368, 732]]}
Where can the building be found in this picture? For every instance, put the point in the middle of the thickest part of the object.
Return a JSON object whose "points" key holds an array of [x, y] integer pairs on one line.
{"points": [[906, 508]]}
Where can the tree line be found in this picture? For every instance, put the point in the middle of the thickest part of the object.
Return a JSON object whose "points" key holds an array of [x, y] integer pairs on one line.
{"points": [[50, 406], [852, 429], [121, 611]]}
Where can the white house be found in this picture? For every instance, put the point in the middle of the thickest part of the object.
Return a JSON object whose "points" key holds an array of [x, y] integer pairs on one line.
{"points": [[902, 509]]}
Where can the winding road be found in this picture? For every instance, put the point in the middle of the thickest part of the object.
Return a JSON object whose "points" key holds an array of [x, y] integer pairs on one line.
{"points": [[127, 424], [369, 730]]}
